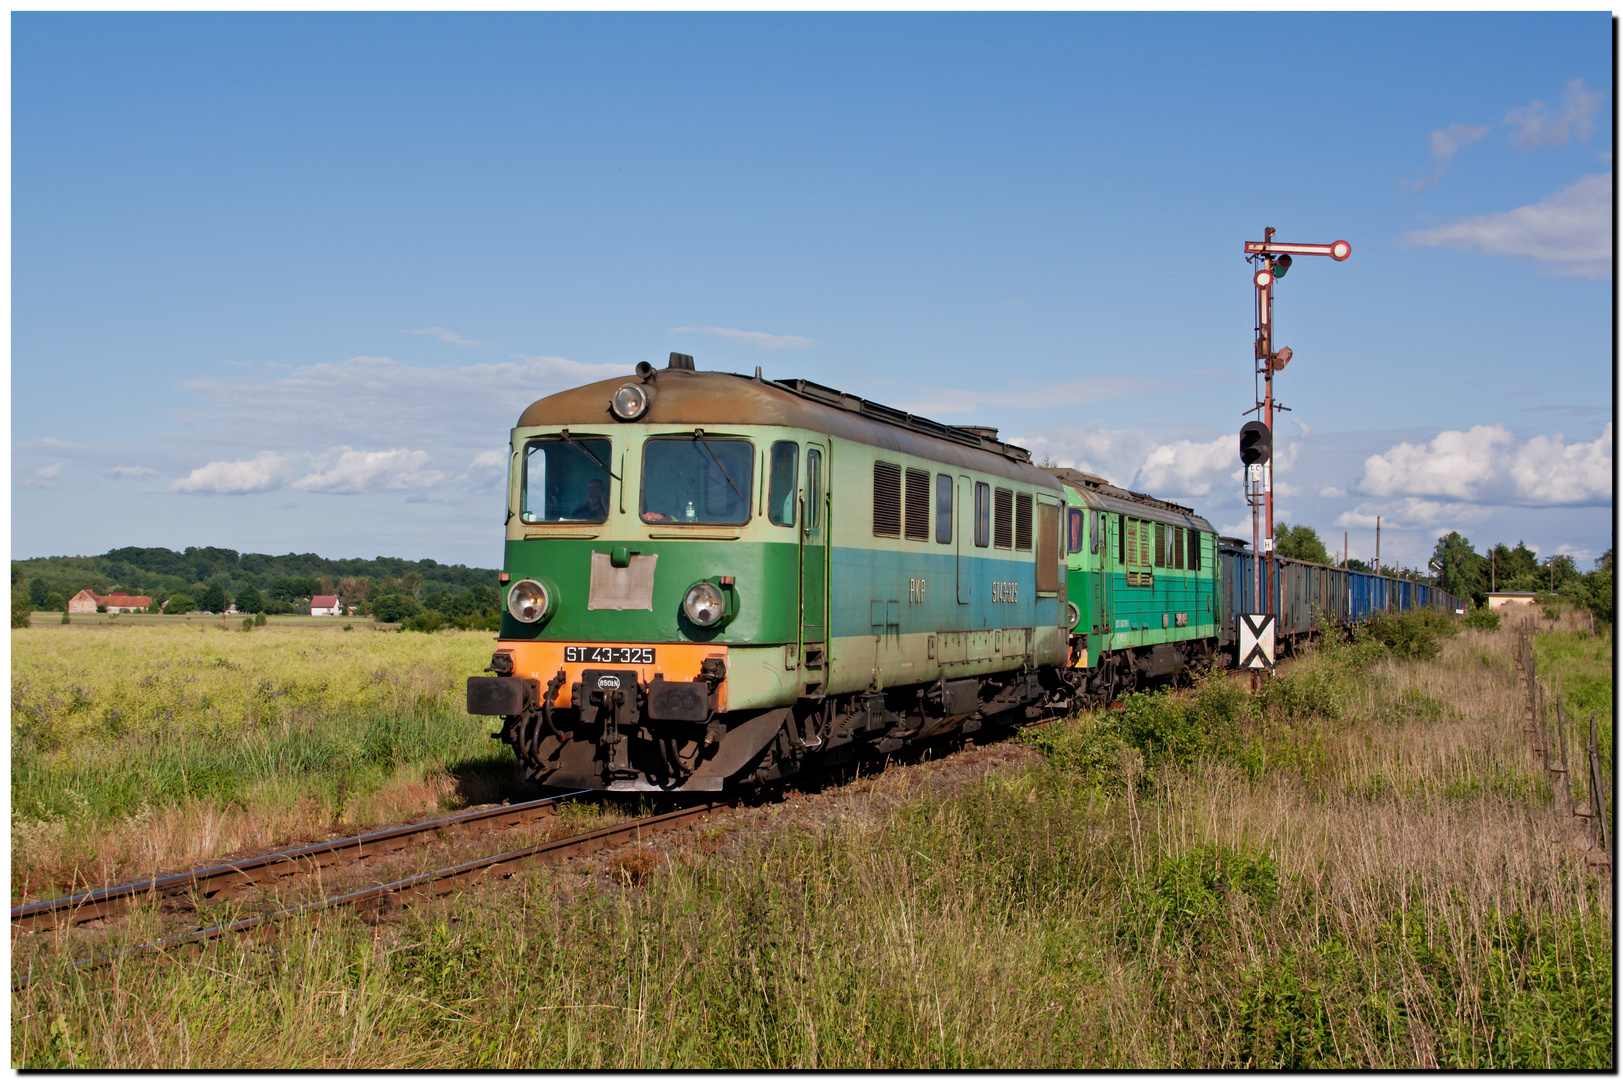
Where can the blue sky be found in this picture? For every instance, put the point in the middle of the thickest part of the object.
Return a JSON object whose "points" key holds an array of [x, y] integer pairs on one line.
{"points": [[284, 282]]}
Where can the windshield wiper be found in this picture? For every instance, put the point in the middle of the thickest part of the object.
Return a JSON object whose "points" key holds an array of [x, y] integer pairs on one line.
{"points": [[698, 433], [564, 435]]}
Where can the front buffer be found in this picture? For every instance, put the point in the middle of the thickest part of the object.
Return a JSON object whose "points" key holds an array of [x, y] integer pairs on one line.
{"points": [[626, 717]]}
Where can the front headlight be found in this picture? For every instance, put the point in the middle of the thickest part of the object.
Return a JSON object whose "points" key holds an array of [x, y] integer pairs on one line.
{"points": [[704, 604], [529, 601], [629, 402]]}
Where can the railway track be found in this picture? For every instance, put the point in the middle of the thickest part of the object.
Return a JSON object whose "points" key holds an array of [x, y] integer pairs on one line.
{"points": [[440, 882], [222, 879]]}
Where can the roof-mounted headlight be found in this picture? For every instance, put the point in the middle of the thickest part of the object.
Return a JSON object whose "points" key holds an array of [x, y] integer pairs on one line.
{"points": [[529, 601], [629, 402]]}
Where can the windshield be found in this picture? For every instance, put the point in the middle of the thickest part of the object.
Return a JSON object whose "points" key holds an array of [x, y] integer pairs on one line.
{"points": [[697, 481], [566, 480]]}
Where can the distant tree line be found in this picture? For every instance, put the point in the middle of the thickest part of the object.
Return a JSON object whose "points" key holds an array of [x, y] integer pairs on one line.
{"points": [[209, 579]]}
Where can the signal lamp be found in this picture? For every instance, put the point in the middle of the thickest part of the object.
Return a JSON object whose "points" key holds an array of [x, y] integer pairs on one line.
{"points": [[629, 402], [1256, 443], [1280, 359], [529, 601], [1280, 265]]}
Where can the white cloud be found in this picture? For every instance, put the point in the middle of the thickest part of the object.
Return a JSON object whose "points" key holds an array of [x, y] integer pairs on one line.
{"points": [[1445, 143], [754, 338], [1176, 469], [451, 337], [1537, 126], [129, 472], [45, 477], [1455, 464], [1413, 513], [1546, 470], [1185, 467], [264, 471], [487, 467], [1332, 493], [1485, 465], [346, 471], [1570, 232]]}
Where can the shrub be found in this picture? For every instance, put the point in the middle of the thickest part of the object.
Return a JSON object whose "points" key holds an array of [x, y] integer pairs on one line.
{"points": [[179, 604], [20, 613], [248, 623], [1412, 635], [259, 618], [426, 622], [1481, 618]]}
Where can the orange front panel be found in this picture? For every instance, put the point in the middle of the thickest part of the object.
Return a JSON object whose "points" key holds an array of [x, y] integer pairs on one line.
{"points": [[677, 662]]}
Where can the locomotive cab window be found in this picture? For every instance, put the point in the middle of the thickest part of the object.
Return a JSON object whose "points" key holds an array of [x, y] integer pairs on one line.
{"points": [[1095, 519], [697, 480], [783, 483], [565, 480], [1076, 530], [983, 514], [814, 489], [943, 508]]}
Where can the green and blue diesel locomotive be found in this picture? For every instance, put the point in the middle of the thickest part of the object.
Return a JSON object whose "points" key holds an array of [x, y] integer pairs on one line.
{"points": [[713, 580]]}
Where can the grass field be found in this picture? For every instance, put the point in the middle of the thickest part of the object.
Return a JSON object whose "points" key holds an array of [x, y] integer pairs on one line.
{"points": [[146, 742], [1358, 867]]}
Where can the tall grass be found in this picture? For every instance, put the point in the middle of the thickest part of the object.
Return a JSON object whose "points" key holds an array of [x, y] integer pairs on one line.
{"points": [[139, 747], [1357, 868]]}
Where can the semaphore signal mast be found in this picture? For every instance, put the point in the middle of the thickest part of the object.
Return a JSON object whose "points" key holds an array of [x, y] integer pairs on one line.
{"points": [[1270, 259]]}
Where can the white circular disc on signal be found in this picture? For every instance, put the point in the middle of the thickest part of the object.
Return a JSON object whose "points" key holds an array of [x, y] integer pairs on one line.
{"points": [[1263, 278], [1340, 250]]}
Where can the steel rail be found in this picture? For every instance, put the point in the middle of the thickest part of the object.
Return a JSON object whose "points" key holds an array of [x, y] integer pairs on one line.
{"points": [[564, 847], [242, 873]]}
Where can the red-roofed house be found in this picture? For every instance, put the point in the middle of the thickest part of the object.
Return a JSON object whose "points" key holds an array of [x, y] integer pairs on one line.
{"points": [[325, 605], [85, 602]]}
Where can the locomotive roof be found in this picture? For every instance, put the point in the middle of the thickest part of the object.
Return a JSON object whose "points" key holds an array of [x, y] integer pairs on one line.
{"points": [[705, 398], [1101, 494]]}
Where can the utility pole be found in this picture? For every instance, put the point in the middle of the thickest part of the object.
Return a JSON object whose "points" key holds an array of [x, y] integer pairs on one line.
{"points": [[1271, 260], [1377, 543]]}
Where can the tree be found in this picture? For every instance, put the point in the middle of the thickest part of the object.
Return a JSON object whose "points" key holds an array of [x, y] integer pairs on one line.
{"points": [[393, 607], [1460, 570], [1299, 542], [250, 601], [37, 592], [1599, 583], [1516, 569], [179, 604], [211, 598], [291, 590]]}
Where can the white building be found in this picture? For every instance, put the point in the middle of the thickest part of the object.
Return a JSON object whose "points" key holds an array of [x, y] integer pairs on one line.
{"points": [[325, 605]]}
